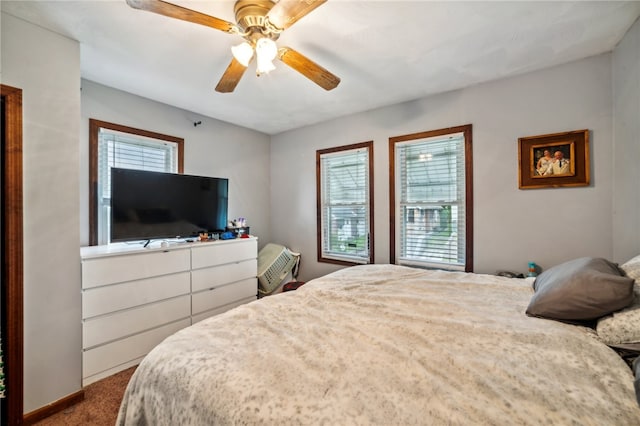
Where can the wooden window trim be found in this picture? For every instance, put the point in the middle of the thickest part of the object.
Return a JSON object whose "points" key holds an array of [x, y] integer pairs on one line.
{"points": [[94, 129], [12, 252], [369, 146], [467, 131]]}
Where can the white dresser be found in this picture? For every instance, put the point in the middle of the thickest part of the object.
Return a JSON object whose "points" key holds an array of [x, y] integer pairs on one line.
{"points": [[133, 297]]}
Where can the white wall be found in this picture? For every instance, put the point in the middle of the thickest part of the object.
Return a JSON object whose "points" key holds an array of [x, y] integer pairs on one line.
{"points": [[511, 226], [626, 131], [213, 148], [46, 66]]}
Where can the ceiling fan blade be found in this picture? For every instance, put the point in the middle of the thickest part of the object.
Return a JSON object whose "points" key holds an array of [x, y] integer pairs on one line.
{"points": [[308, 68], [231, 77], [285, 13], [174, 11]]}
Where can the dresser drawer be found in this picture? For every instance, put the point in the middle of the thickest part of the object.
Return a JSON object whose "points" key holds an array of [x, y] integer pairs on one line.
{"points": [[103, 329], [223, 252], [204, 279], [119, 352], [115, 269], [214, 298], [112, 298]]}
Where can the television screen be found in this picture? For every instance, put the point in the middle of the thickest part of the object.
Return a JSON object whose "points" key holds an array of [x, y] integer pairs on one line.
{"points": [[149, 205]]}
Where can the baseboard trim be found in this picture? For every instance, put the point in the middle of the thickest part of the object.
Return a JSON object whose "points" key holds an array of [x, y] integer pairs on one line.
{"points": [[53, 408]]}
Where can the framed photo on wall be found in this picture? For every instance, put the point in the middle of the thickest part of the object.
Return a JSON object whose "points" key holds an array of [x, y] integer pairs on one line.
{"points": [[554, 160]]}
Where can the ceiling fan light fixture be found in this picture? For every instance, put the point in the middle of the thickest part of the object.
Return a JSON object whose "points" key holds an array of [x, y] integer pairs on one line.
{"points": [[243, 53], [266, 51], [259, 23]]}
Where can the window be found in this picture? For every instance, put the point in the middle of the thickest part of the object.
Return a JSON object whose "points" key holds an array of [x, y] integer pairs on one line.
{"points": [[432, 199], [344, 179], [113, 145]]}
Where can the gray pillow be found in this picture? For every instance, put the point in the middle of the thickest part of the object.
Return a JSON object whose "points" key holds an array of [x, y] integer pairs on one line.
{"points": [[580, 290]]}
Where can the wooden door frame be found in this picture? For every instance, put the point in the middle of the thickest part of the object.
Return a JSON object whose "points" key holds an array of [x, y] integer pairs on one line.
{"points": [[12, 255]]}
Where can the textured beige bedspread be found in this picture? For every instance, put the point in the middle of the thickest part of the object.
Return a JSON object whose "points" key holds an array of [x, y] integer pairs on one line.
{"points": [[388, 345]]}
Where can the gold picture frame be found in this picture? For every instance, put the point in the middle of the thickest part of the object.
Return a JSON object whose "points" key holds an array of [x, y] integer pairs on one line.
{"points": [[554, 160]]}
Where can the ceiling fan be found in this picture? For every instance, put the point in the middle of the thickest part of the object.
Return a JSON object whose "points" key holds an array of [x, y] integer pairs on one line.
{"points": [[260, 23]]}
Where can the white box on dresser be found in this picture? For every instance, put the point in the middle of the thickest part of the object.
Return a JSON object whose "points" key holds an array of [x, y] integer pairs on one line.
{"points": [[134, 297]]}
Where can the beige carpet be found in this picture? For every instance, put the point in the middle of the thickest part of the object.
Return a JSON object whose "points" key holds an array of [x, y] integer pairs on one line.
{"points": [[100, 406]]}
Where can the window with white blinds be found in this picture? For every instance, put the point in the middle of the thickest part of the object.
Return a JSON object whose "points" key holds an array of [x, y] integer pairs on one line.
{"points": [[431, 201], [344, 181], [118, 146]]}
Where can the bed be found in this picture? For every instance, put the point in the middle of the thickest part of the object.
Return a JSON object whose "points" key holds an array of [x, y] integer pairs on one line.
{"points": [[385, 344]]}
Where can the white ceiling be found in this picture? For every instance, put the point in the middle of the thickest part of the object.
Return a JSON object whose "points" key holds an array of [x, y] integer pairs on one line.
{"points": [[385, 52]]}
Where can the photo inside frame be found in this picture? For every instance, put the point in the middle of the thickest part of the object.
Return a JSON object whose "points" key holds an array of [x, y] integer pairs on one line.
{"points": [[555, 159]]}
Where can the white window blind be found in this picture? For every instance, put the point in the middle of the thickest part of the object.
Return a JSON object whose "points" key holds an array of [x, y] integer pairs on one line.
{"points": [[123, 150], [344, 195], [430, 181]]}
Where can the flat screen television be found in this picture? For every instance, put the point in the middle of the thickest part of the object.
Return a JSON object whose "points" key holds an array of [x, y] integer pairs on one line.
{"points": [[153, 205]]}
